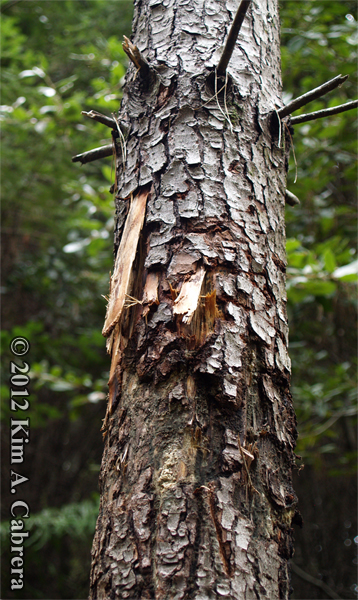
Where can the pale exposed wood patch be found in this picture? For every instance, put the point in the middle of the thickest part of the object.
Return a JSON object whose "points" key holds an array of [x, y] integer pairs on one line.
{"points": [[150, 292], [124, 261], [187, 301]]}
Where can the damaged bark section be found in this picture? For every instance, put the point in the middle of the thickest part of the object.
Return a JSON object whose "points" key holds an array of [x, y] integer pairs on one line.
{"points": [[196, 493]]}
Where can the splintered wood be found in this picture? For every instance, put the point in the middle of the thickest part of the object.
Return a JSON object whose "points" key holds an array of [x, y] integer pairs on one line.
{"points": [[187, 301], [119, 287], [124, 261]]}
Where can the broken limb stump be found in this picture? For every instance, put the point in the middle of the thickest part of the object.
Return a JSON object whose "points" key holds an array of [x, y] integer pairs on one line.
{"points": [[135, 56], [96, 116], [291, 199], [94, 154]]}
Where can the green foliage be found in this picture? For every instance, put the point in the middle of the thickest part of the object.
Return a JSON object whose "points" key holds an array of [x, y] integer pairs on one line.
{"points": [[319, 41], [77, 520], [58, 59]]}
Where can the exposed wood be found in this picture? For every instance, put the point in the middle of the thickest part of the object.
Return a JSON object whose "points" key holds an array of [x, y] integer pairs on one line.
{"points": [[124, 260], [94, 154], [232, 37], [150, 292], [312, 95], [187, 301], [326, 112]]}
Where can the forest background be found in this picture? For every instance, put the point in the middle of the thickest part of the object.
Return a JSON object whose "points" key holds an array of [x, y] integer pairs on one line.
{"points": [[59, 58]]}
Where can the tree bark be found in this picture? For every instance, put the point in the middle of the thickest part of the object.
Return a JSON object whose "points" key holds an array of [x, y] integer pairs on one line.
{"points": [[196, 491]]}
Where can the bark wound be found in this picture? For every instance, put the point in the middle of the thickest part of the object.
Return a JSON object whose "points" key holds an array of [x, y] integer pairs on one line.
{"points": [[197, 324], [119, 289]]}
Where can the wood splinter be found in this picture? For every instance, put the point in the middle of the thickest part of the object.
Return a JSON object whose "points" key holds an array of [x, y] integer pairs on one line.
{"points": [[120, 279], [135, 56]]}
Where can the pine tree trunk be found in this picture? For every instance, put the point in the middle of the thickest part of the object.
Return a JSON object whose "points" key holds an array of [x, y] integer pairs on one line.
{"points": [[196, 493]]}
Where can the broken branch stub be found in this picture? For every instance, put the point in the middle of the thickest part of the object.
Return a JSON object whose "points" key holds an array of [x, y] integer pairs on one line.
{"points": [[96, 116], [135, 56], [124, 261], [94, 154], [291, 199]]}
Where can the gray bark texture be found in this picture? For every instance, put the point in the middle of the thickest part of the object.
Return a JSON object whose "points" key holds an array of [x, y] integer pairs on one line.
{"points": [[196, 490]]}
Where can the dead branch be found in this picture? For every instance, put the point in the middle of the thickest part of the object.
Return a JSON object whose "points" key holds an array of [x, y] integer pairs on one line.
{"points": [[291, 199], [312, 95], [96, 116], [135, 56], [232, 37], [326, 112], [94, 154]]}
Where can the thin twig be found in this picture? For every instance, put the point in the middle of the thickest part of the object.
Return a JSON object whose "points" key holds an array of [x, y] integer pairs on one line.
{"points": [[122, 140], [279, 128], [326, 112], [94, 154], [96, 116], [312, 95], [291, 199], [225, 114], [317, 582], [232, 37], [293, 152], [135, 56], [225, 105]]}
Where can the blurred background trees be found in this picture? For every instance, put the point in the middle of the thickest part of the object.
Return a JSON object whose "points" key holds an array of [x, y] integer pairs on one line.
{"points": [[59, 58]]}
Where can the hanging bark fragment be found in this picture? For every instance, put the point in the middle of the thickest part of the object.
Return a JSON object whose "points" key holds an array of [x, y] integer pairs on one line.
{"points": [[120, 279]]}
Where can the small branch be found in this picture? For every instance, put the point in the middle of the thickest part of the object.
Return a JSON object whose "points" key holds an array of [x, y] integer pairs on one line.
{"points": [[317, 582], [135, 56], [326, 112], [232, 37], [94, 154], [96, 116], [291, 199], [312, 95]]}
